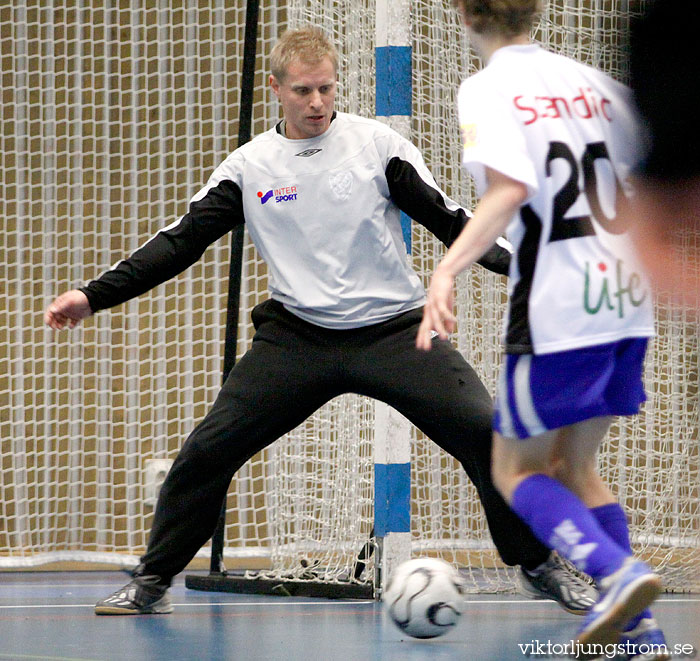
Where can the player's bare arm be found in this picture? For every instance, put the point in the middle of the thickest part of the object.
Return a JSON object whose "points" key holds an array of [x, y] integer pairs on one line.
{"points": [[503, 197], [68, 309]]}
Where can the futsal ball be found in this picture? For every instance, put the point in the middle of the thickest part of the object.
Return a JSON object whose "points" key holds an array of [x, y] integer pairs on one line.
{"points": [[424, 597]]}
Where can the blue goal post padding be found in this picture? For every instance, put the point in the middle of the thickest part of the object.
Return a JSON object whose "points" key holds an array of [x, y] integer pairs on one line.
{"points": [[393, 81], [392, 498]]}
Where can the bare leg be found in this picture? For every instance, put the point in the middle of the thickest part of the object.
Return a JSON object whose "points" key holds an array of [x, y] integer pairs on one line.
{"points": [[567, 454]]}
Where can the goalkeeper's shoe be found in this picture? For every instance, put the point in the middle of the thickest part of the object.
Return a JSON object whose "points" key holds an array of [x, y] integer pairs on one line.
{"points": [[646, 642], [142, 596], [559, 580], [624, 594]]}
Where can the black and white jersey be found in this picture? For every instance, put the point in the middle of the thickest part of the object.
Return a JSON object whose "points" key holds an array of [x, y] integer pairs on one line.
{"points": [[324, 214], [568, 132]]}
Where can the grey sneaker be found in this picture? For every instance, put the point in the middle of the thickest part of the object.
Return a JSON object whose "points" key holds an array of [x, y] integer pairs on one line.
{"points": [[143, 595], [559, 580]]}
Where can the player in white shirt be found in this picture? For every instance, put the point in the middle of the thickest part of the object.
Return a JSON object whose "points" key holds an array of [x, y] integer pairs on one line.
{"points": [[550, 142], [321, 194]]}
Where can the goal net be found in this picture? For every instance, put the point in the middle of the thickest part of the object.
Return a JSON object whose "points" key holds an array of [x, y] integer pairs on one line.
{"points": [[113, 115]]}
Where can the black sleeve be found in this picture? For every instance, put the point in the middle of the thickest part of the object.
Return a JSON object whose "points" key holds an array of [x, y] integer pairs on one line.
{"points": [[171, 250], [426, 205]]}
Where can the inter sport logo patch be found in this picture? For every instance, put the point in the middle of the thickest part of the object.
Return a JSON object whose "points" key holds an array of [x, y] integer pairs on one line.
{"points": [[264, 197], [285, 194]]}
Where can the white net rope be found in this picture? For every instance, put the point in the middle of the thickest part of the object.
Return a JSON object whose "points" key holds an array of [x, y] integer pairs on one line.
{"points": [[113, 115]]}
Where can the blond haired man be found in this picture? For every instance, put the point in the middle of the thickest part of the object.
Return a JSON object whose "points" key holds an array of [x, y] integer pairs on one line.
{"points": [[321, 195]]}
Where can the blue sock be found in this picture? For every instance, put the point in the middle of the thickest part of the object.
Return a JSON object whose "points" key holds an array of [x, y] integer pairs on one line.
{"points": [[561, 521], [613, 521]]}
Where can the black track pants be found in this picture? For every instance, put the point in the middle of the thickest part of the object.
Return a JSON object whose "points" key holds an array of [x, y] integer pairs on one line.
{"points": [[292, 369]]}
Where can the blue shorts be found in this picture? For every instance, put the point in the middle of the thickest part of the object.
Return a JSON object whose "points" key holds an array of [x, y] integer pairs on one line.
{"points": [[537, 393]]}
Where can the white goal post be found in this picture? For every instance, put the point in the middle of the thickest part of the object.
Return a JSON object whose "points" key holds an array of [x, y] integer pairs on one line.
{"points": [[113, 114]]}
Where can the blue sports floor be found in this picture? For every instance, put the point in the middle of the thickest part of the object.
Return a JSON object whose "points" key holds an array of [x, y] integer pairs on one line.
{"points": [[48, 616]]}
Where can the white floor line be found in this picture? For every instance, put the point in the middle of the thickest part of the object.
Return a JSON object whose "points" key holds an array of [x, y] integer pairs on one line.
{"points": [[334, 602], [251, 604]]}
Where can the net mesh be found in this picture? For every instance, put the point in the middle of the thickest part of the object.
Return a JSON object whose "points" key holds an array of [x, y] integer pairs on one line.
{"points": [[113, 115]]}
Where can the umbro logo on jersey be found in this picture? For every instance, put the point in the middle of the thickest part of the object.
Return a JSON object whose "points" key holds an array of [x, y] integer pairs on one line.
{"points": [[286, 194], [308, 152]]}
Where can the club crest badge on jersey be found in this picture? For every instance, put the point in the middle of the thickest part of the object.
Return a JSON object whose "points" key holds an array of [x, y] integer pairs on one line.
{"points": [[468, 135], [341, 184]]}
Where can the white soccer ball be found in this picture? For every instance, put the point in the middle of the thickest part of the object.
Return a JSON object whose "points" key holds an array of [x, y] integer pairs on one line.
{"points": [[424, 597]]}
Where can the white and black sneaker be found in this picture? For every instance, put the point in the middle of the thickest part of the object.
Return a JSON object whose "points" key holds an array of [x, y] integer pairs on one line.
{"points": [[559, 580], [142, 596]]}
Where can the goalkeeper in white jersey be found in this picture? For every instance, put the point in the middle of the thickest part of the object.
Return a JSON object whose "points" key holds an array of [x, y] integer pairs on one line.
{"points": [[549, 143], [321, 194]]}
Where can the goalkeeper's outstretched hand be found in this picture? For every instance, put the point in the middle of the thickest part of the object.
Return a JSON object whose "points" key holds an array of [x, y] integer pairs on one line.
{"points": [[67, 310]]}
